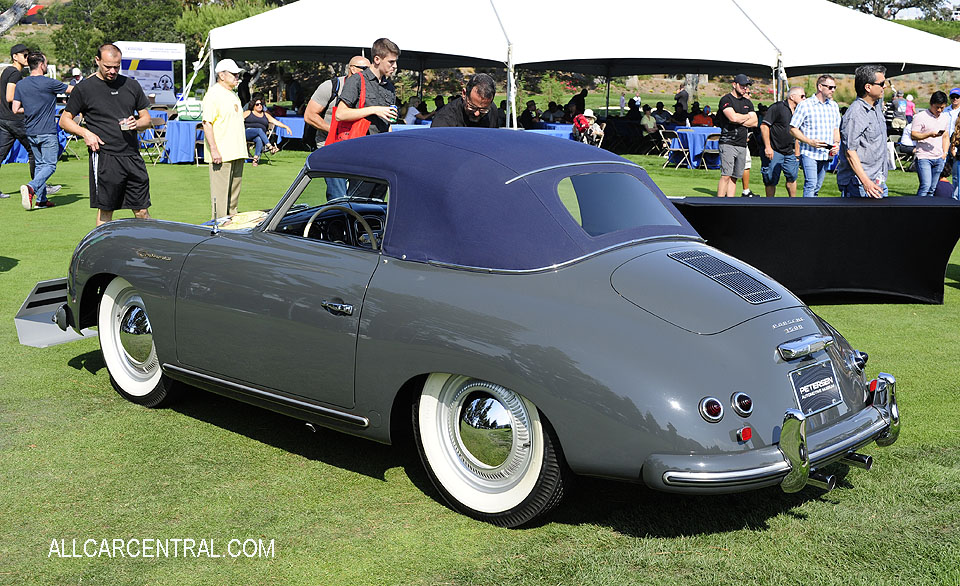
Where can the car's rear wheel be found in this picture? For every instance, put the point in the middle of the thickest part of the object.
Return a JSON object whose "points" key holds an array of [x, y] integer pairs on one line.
{"points": [[126, 340], [488, 450]]}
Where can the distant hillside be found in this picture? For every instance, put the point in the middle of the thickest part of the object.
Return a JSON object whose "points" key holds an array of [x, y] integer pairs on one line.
{"points": [[942, 28]]}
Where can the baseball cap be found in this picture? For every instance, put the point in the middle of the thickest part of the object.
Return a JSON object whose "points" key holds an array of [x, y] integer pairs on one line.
{"points": [[18, 48], [227, 65], [76, 71], [588, 113], [742, 79], [955, 92]]}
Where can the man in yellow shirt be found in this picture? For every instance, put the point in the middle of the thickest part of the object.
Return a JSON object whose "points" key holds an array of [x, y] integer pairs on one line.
{"points": [[225, 144]]}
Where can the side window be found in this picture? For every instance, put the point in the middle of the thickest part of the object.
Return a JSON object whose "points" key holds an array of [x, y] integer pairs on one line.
{"points": [[349, 211], [606, 202]]}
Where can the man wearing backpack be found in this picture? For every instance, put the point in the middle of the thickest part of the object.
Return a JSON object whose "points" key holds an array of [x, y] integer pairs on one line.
{"points": [[319, 110]]}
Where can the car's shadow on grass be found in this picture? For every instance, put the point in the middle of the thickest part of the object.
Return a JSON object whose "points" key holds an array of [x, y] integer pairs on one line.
{"points": [[344, 451], [630, 509], [7, 263]]}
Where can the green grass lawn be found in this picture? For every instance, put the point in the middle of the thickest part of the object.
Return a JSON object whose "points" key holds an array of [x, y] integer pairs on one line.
{"points": [[78, 462]]}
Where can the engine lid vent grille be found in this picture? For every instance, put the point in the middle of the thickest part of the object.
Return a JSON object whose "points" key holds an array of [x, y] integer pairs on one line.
{"points": [[727, 275]]}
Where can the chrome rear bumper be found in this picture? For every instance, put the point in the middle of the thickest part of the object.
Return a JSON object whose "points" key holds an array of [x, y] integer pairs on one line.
{"points": [[791, 462]]}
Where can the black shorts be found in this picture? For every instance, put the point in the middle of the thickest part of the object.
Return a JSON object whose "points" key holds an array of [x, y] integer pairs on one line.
{"points": [[118, 182]]}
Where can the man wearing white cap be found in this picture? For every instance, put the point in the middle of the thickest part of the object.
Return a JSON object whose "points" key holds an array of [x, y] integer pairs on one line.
{"points": [[225, 143], [76, 76]]}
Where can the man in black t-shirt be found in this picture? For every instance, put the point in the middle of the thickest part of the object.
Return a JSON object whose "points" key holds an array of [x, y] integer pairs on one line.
{"points": [[780, 148], [108, 102], [736, 115], [473, 108], [11, 125]]}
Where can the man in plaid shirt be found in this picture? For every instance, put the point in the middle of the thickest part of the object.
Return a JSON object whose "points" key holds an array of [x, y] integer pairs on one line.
{"points": [[816, 124]]}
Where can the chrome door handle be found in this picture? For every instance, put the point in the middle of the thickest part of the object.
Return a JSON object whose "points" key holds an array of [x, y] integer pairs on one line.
{"points": [[341, 308]]}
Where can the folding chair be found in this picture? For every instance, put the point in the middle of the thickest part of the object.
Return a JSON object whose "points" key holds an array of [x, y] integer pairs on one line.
{"points": [[668, 137], [198, 143], [900, 156], [71, 138], [265, 154], [155, 142], [707, 150]]}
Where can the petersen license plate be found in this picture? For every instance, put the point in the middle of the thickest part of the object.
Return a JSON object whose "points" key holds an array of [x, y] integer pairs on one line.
{"points": [[816, 387]]}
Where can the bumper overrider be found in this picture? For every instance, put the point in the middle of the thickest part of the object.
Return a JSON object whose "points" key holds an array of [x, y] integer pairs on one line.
{"points": [[794, 462]]}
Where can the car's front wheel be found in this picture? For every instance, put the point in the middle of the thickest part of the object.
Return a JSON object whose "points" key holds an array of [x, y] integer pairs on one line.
{"points": [[488, 450], [126, 340]]}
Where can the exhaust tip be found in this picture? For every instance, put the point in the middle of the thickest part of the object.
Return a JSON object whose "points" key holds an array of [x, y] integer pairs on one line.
{"points": [[856, 460], [822, 481]]}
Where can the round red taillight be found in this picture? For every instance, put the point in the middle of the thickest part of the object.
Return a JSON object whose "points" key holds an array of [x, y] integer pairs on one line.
{"points": [[711, 409], [742, 404]]}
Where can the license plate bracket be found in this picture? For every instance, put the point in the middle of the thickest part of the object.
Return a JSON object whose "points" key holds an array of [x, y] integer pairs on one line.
{"points": [[816, 387]]}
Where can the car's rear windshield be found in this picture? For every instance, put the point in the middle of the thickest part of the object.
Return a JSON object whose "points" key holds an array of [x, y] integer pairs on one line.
{"points": [[602, 203]]}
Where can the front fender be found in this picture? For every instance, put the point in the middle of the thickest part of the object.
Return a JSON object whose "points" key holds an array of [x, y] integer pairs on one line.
{"points": [[147, 253]]}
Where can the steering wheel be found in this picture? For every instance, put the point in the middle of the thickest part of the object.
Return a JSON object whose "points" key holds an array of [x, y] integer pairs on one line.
{"points": [[350, 212]]}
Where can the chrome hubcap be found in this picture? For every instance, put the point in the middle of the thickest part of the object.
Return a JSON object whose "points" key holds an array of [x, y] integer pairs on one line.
{"points": [[488, 432], [486, 429], [135, 336]]}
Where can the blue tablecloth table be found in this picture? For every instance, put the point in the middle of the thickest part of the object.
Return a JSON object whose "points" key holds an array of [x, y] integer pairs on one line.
{"points": [[694, 139]]}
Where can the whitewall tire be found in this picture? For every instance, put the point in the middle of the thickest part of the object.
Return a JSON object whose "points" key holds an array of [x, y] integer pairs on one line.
{"points": [[126, 340], [488, 450]]}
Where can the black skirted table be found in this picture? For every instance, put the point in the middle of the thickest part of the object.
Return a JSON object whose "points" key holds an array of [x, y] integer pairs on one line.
{"points": [[837, 249]]}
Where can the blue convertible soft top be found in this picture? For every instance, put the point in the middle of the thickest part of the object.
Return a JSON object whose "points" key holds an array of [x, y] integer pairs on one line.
{"points": [[485, 198]]}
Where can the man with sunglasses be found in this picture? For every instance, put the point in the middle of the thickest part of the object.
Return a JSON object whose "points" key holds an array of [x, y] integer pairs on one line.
{"points": [[108, 101], [319, 112], [11, 123], [864, 163], [473, 108], [816, 124]]}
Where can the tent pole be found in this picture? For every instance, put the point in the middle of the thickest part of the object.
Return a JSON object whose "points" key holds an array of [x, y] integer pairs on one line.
{"points": [[608, 91], [511, 90], [213, 67]]}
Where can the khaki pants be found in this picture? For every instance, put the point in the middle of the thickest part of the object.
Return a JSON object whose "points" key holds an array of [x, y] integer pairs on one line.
{"points": [[225, 181]]}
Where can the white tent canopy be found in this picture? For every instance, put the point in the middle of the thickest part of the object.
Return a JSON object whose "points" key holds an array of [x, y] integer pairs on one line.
{"points": [[722, 36], [817, 36], [306, 31]]}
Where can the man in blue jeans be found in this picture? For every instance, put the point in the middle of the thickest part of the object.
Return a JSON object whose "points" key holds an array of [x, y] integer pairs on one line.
{"points": [[816, 124], [36, 97], [863, 149]]}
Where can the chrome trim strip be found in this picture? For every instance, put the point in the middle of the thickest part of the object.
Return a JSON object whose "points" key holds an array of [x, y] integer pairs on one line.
{"points": [[567, 263], [275, 397], [734, 478], [552, 167]]}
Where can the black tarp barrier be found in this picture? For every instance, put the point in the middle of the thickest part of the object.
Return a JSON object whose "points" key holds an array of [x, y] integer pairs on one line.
{"points": [[837, 249]]}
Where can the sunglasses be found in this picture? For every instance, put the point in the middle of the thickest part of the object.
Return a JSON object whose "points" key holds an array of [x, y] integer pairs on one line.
{"points": [[829, 87]]}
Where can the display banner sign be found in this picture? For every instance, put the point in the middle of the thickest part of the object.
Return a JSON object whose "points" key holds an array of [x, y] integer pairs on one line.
{"points": [[816, 387], [155, 77], [151, 64]]}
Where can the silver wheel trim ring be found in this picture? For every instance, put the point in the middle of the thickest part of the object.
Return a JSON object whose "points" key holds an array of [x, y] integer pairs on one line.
{"points": [[141, 370], [478, 475]]}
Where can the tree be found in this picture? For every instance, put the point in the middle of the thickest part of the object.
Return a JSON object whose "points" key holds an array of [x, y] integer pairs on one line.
{"points": [[85, 22], [931, 9], [194, 24], [12, 15]]}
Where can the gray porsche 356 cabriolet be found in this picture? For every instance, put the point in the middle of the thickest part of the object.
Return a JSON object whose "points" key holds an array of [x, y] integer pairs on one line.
{"points": [[530, 308]]}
